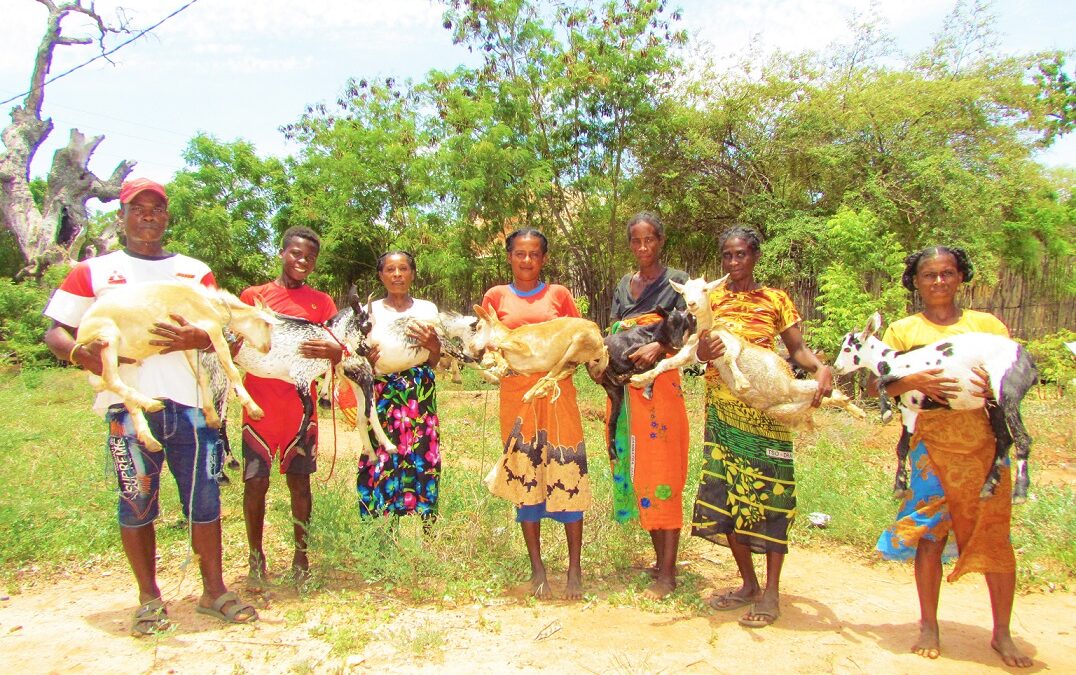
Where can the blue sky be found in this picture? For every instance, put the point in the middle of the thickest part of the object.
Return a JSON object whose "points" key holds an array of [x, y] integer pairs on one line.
{"points": [[241, 69]]}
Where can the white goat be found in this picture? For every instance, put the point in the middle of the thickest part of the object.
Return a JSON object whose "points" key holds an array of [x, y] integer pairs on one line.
{"points": [[397, 351], [553, 347], [757, 376], [122, 319], [1011, 372]]}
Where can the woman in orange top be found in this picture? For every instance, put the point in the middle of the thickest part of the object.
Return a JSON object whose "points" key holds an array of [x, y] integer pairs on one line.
{"points": [[952, 452], [543, 470]]}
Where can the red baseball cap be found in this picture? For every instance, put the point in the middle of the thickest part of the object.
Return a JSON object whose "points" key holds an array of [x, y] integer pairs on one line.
{"points": [[131, 188]]}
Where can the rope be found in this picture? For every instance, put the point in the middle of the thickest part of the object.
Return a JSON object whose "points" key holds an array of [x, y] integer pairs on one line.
{"points": [[343, 347]]}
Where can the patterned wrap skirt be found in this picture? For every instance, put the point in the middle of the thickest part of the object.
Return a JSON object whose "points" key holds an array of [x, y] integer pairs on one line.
{"points": [[544, 459], [748, 485], [952, 452], [408, 481]]}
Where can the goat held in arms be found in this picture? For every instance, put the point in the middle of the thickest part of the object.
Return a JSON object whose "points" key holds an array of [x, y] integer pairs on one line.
{"points": [[349, 327], [398, 351], [757, 376], [554, 347], [1011, 373], [670, 332], [122, 320]]}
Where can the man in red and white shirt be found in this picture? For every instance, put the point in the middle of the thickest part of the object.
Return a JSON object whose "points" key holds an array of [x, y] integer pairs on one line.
{"points": [[190, 446]]}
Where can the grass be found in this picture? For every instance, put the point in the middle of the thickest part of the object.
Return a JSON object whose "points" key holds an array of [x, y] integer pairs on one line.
{"points": [[57, 507]]}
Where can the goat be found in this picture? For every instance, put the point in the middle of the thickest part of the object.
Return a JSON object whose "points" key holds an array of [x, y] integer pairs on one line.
{"points": [[283, 362], [554, 347], [398, 351], [1011, 373], [218, 388], [670, 333], [123, 318], [757, 376]]}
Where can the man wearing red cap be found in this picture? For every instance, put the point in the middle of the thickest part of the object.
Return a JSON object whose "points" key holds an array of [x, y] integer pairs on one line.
{"points": [[190, 446]]}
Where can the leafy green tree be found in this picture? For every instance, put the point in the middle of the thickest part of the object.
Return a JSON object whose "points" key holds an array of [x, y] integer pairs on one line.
{"points": [[223, 207]]}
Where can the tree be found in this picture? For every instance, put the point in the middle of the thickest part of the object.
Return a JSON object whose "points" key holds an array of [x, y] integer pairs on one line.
{"points": [[55, 231], [224, 208]]}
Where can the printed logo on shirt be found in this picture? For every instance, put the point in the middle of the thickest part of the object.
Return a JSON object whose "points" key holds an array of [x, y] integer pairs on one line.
{"points": [[116, 278], [183, 275]]}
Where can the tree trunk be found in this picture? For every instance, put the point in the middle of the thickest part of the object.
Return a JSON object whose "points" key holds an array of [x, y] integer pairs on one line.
{"points": [[58, 231]]}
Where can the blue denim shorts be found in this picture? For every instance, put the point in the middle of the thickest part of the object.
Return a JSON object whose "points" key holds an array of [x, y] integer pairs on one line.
{"points": [[192, 450], [535, 512]]}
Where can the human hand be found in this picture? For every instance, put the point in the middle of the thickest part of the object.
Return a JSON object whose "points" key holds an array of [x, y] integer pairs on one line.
{"points": [[179, 336], [373, 352], [425, 335], [824, 377], [981, 384], [88, 356], [321, 349], [710, 346], [933, 385], [646, 356]]}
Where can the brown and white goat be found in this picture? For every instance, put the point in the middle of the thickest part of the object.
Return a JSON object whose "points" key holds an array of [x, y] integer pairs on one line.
{"points": [[757, 376], [553, 347], [123, 318]]}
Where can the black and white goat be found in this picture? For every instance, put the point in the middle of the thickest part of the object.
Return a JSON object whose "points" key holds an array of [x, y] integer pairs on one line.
{"points": [[670, 333], [1011, 374], [349, 327]]}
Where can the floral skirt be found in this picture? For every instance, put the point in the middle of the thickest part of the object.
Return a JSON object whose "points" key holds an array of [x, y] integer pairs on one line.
{"points": [[748, 485], [405, 482]]}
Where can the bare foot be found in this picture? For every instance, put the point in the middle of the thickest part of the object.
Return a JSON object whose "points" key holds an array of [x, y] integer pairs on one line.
{"points": [[574, 589], [660, 589], [929, 644], [1009, 652]]}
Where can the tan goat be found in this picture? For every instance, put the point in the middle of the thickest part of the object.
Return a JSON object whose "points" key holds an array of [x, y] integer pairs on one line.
{"points": [[123, 318], [553, 347], [757, 376]]}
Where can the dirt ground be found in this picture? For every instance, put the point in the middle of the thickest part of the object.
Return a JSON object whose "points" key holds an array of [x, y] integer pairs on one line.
{"points": [[839, 615]]}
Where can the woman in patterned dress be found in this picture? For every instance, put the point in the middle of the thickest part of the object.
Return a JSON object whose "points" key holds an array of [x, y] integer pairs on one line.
{"points": [[952, 452], [652, 435], [407, 481], [543, 469], [747, 495]]}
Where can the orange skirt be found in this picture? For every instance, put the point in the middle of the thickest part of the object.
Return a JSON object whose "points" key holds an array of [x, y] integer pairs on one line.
{"points": [[544, 458]]}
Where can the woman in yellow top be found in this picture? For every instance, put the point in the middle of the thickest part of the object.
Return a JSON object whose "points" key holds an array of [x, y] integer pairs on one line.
{"points": [[952, 452], [747, 495]]}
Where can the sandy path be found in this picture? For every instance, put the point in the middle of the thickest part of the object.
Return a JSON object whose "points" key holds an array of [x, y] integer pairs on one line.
{"points": [[79, 625]]}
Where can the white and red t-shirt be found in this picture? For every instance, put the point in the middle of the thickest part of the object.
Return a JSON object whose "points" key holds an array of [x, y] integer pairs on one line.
{"points": [[161, 376]]}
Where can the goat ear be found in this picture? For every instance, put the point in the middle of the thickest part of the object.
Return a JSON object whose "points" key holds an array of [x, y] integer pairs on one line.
{"points": [[480, 312], [873, 324], [661, 311], [679, 288], [716, 284]]}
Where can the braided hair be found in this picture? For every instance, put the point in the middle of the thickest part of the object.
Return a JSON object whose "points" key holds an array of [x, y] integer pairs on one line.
{"points": [[911, 264], [384, 256], [526, 233], [748, 234]]}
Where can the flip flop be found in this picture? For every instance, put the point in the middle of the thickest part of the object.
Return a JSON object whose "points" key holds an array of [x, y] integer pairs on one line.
{"points": [[726, 601], [768, 617], [149, 619], [232, 614]]}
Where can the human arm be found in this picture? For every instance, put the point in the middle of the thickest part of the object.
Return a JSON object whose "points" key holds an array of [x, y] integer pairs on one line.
{"points": [[60, 339], [806, 359]]}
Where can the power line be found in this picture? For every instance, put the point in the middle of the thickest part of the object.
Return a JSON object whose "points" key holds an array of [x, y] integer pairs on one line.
{"points": [[99, 56]]}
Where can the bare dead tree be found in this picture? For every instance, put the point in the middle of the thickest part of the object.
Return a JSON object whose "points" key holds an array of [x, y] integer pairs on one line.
{"points": [[58, 231]]}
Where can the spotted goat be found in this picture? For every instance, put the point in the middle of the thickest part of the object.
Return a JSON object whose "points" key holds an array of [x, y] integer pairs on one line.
{"points": [[1011, 372]]}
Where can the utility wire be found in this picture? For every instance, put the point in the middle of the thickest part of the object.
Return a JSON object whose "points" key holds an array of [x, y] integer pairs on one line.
{"points": [[99, 56]]}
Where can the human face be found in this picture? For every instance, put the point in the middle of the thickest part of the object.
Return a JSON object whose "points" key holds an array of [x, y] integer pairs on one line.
{"points": [[645, 244], [144, 220], [738, 259], [938, 278], [298, 258], [397, 274], [527, 260]]}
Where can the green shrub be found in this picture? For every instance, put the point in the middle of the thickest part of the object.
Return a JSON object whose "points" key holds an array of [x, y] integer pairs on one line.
{"points": [[22, 324], [1056, 363]]}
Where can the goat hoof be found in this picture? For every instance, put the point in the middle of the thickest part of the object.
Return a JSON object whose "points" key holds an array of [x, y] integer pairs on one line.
{"points": [[391, 449], [901, 494], [153, 405], [151, 444], [987, 491], [255, 412]]}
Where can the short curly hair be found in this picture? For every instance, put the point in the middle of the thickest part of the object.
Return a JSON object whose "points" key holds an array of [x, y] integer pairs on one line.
{"points": [[911, 264], [748, 234]]}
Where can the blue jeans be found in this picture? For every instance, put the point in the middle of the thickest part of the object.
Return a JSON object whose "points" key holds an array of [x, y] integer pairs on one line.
{"points": [[194, 457]]}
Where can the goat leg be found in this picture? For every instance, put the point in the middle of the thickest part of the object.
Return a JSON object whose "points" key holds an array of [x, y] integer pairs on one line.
{"points": [[1002, 443], [687, 355], [302, 388], [616, 402], [1022, 441], [900, 484], [224, 355], [205, 393]]}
